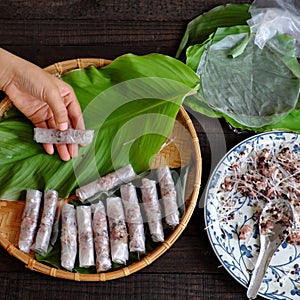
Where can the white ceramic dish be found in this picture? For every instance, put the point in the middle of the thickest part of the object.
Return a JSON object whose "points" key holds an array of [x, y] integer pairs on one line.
{"points": [[238, 256]]}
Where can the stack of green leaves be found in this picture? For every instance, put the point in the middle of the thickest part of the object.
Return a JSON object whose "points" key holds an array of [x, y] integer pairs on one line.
{"points": [[132, 106], [252, 88]]}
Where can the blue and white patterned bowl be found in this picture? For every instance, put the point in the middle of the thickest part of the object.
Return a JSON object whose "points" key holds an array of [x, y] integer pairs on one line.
{"points": [[282, 279]]}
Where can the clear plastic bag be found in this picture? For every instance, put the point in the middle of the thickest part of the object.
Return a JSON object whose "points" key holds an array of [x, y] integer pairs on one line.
{"points": [[270, 17]]}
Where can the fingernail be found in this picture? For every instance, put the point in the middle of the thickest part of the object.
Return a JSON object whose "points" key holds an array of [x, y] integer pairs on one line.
{"points": [[63, 126]]}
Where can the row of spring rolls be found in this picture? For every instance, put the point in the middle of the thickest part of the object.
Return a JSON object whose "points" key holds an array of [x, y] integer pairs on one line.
{"points": [[127, 209], [105, 234], [101, 240], [126, 174], [152, 206], [88, 225], [30, 219], [85, 228]]}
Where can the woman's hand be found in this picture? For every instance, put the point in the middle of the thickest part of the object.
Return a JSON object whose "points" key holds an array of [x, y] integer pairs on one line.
{"points": [[44, 99]]}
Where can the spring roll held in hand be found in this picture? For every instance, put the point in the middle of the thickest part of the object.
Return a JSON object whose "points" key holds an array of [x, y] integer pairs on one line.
{"points": [[46, 224], [85, 236], [69, 136], [118, 231], [101, 238], [29, 219], [169, 196], [134, 218], [68, 236], [152, 209], [106, 183]]}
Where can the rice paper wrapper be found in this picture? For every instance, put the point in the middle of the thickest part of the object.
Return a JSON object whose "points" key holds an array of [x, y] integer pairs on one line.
{"points": [[45, 229], [29, 220], [264, 92], [68, 236], [101, 237], [70, 136], [134, 218], [85, 236], [169, 196], [118, 231], [106, 183], [152, 209]]}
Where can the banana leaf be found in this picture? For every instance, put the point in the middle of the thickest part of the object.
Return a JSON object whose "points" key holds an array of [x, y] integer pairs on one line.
{"points": [[274, 102], [200, 28], [131, 104], [195, 52]]}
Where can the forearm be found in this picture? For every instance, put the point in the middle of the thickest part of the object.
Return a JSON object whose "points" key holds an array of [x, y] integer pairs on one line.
{"points": [[9, 65]]}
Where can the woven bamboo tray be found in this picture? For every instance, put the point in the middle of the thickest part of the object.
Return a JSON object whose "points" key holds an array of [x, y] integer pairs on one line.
{"points": [[182, 148]]}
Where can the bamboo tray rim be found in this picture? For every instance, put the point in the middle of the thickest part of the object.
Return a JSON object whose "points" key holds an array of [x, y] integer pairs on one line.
{"points": [[59, 69]]}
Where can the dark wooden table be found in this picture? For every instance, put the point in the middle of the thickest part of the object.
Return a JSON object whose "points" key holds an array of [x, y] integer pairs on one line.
{"points": [[45, 32]]}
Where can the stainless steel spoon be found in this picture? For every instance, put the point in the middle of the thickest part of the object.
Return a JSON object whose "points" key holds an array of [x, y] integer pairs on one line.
{"points": [[274, 223]]}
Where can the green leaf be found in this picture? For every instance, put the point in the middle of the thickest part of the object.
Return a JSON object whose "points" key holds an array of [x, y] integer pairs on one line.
{"points": [[197, 103], [51, 257], [131, 104], [288, 123], [194, 53], [199, 29], [240, 47], [213, 27]]}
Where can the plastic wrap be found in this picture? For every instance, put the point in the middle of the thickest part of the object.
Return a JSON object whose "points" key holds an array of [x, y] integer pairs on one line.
{"points": [[168, 195], [134, 218], [101, 238], [85, 236], [45, 228], [106, 183], [29, 220], [152, 209], [70, 136], [68, 236], [118, 231], [270, 17]]}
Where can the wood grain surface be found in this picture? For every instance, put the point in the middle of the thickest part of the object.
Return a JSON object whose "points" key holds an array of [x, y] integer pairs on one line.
{"points": [[46, 32]]}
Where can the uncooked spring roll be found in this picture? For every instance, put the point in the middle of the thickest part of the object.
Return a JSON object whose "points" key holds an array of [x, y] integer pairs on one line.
{"points": [[68, 236], [29, 219], [45, 228], [69, 136], [85, 236], [152, 209], [168, 195], [106, 183], [117, 230], [133, 218], [101, 238]]}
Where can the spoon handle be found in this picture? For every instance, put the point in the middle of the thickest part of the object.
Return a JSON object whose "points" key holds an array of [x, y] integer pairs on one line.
{"points": [[263, 260]]}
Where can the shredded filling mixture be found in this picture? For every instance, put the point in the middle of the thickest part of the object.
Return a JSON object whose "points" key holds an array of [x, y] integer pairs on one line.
{"points": [[262, 176]]}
